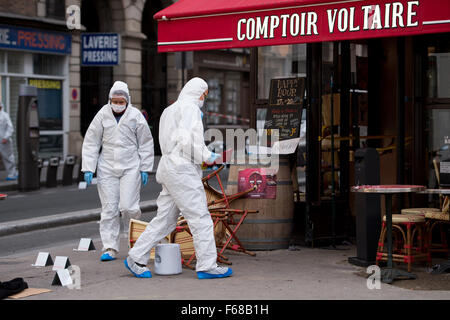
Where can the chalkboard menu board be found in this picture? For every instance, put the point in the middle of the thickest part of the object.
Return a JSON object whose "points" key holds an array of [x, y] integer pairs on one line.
{"points": [[285, 106], [444, 172]]}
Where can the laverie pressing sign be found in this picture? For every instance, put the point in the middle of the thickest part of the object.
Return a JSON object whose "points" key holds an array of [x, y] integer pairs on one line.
{"points": [[100, 49]]}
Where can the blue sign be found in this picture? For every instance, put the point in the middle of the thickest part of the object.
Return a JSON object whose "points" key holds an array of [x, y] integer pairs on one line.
{"points": [[35, 40], [100, 49]]}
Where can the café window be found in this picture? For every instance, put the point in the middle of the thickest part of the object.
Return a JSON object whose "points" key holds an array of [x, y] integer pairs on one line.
{"points": [[286, 61], [337, 121], [224, 104], [438, 109]]}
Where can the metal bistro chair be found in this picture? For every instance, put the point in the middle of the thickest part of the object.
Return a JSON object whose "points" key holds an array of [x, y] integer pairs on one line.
{"points": [[223, 219]]}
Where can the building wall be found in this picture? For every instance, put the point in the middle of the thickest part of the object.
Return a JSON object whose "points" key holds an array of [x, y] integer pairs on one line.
{"points": [[22, 7], [75, 140]]}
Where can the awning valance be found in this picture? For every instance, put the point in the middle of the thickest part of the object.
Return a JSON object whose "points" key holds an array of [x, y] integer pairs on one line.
{"points": [[217, 24]]}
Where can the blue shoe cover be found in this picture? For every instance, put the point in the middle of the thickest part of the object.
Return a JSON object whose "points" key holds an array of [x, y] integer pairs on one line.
{"points": [[206, 275], [106, 257], [146, 274], [11, 179]]}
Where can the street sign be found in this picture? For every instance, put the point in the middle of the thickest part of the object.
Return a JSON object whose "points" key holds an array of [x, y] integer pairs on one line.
{"points": [[100, 49]]}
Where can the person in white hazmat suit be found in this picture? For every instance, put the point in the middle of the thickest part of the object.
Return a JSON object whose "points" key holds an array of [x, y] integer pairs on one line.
{"points": [[179, 172], [119, 144], [6, 146]]}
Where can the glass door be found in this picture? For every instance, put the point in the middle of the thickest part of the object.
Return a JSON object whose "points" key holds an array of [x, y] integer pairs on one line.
{"points": [[437, 107]]}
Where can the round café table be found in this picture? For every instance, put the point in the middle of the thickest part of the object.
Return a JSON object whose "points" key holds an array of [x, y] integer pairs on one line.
{"points": [[389, 274], [439, 268]]}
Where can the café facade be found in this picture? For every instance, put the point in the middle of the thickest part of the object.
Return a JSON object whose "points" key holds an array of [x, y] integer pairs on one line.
{"points": [[376, 75]]}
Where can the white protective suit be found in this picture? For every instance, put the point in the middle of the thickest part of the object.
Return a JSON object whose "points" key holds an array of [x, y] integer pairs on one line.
{"points": [[179, 172], [126, 150], [6, 149]]}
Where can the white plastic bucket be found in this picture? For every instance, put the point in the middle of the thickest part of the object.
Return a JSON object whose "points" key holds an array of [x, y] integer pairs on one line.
{"points": [[167, 259]]}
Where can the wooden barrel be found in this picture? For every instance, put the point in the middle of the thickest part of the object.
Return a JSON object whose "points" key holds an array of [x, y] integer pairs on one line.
{"points": [[272, 227]]}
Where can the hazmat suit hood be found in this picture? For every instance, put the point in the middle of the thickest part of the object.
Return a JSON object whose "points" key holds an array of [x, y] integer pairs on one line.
{"points": [[120, 89], [193, 90]]}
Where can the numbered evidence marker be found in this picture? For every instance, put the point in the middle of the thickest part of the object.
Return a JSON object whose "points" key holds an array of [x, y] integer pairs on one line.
{"points": [[82, 185], [61, 263], [43, 259], [62, 278], [85, 244]]}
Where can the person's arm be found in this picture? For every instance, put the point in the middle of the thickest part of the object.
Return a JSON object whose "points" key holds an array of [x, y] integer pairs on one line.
{"points": [[91, 144], [190, 135], [145, 145]]}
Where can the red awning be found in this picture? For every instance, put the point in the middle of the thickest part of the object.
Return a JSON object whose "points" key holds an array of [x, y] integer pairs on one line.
{"points": [[217, 24]]}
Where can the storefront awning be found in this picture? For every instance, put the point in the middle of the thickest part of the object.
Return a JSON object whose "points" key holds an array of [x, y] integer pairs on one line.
{"points": [[217, 24]]}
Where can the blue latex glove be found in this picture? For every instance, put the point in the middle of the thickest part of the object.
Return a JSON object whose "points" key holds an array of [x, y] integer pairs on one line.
{"points": [[202, 114], [88, 175], [144, 178], [213, 157]]}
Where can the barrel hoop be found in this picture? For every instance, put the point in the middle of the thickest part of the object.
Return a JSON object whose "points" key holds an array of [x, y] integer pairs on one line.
{"points": [[258, 221], [264, 240], [279, 183]]}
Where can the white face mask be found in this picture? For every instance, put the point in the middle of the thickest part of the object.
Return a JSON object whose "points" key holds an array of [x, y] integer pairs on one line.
{"points": [[117, 108], [200, 103]]}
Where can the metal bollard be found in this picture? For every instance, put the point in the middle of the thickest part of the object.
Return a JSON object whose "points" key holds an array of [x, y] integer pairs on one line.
{"points": [[52, 172], [68, 170], [40, 165]]}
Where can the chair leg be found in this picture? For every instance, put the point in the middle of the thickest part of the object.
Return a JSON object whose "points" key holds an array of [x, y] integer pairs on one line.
{"points": [[380, 249], [409, 245]]}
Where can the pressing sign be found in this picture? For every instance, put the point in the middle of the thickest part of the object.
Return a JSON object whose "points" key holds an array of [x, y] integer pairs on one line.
{"points": [[85, 244], [43, 259], [61, 263], [62, 278]]}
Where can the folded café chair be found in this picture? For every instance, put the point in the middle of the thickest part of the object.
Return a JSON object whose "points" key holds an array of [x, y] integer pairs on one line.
{"points": [[219, 207], [224, 221]]}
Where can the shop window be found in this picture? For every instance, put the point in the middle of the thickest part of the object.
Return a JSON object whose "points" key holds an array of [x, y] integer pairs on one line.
{"points": [[16, 62], [338, 122], [14, 87], [3, 92], [50, 145], [46, 64], [2, 61], [223, 103], [438, 74], [50, 103], [438, 108], [56, 9], [279, 62]]}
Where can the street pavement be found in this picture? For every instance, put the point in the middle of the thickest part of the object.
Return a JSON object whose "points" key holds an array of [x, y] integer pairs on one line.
{"points": [[308, 273], [299, 274]]}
